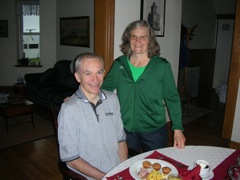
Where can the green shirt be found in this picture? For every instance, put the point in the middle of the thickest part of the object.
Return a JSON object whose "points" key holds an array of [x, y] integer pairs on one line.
{"points": [[143, 102], [136, 71]]}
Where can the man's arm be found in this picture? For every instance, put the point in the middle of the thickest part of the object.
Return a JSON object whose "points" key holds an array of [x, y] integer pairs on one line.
{"points": [[85, 168], [122, 151]]}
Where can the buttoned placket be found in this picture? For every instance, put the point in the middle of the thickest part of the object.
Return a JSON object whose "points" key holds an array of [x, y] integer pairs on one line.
{"points": [[95, 108]]}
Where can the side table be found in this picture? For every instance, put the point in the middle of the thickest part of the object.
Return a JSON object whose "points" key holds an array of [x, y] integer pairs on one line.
{"points": [[16, 108], [20, 89]]}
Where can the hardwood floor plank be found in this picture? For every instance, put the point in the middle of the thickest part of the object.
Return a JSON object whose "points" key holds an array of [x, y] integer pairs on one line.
{"points": [[207, 130], [35, 160]]}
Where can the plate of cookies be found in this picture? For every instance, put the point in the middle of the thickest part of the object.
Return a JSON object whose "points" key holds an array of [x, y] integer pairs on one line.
{"points": [[153, 169]]}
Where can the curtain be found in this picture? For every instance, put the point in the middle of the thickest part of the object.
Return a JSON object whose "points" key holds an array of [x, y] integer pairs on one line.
{"points": [[28, 7]]}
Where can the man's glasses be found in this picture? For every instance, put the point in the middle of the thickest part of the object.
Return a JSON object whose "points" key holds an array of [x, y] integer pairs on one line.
{"points": [[141, 38]]}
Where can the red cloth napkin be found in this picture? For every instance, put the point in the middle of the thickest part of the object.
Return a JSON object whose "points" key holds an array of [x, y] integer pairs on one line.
{"points": [[126, 175], [192, 174], [156, 154], [220, 172]]}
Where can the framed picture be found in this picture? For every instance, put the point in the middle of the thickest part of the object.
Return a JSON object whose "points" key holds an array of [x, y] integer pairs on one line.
{"points": [[3, 28], [153, 11], [74, 31]]}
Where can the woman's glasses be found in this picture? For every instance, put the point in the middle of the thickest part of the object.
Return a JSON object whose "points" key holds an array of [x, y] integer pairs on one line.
{"points": [[141, 38]]}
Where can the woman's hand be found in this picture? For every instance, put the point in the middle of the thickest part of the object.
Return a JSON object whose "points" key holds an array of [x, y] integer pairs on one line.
{"points": [[179, 139]]}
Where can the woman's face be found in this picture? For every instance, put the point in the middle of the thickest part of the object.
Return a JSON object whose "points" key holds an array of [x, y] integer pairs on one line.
{"points": [[139, 40]]}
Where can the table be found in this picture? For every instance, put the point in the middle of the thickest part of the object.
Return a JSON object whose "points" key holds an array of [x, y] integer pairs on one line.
{"points": [[16, 107], [214, 155], [20, 89]]}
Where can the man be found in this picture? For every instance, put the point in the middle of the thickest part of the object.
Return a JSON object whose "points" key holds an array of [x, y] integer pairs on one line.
{"points": [[90, 130]]}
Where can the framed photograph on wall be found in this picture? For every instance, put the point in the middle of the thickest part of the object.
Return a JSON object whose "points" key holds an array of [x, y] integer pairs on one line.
{"points": [[74, 31], [3, 28], [153, 11]]}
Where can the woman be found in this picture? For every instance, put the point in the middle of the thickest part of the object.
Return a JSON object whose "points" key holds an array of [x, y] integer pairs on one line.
{"points": [[145, 86]]}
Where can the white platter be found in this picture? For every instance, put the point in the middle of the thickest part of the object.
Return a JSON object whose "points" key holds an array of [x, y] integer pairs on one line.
{"points": [[135, 167]]}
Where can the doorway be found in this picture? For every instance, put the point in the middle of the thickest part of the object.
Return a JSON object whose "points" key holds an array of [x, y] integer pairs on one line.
{"points": [[223, 50], [191, 19]]}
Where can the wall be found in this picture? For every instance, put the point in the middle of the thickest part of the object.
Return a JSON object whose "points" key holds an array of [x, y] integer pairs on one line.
{"points": [[48, 33], [122, 19], [8, 56], [51, 51], [223, 51], [128, 11], [8, 46], [205, 35], [74, 8], [224, 6], [202, 13], [170, 43]]}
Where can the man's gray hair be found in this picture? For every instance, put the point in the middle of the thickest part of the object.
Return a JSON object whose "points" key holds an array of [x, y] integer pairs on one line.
{"points": [[80, 57]]}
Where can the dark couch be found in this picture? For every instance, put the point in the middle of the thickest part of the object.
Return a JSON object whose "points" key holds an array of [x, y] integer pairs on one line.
{"points": [[52, 86]]}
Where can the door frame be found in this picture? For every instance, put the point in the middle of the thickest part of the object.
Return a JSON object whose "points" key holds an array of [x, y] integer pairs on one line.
{"points": [[233, 83], [104, 16]]}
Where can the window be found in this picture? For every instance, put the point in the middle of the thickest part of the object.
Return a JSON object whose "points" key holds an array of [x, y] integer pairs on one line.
{"points": [[29, 30]]}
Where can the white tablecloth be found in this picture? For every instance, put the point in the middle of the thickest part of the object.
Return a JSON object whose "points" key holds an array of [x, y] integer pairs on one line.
{"points": [[214, 155]]}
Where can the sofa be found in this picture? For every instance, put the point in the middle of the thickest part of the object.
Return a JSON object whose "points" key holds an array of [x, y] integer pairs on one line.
{"points": [[52, 86]]}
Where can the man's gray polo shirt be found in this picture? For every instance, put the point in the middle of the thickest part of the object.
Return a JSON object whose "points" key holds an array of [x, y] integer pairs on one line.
{"points": [[93, 136]]}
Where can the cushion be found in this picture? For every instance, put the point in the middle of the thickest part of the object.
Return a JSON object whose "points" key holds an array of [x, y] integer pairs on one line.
{"points": [[48, 78]]}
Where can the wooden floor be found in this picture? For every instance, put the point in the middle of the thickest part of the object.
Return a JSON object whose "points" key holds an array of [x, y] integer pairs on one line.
{"points": [[207, 130], [38, 160]]}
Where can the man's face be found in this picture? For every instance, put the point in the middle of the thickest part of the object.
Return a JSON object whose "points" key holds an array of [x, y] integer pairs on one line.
{"points": [[90, 75]]}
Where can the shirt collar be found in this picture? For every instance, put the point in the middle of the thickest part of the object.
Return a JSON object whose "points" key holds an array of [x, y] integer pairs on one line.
{"points": [[82, 96]]}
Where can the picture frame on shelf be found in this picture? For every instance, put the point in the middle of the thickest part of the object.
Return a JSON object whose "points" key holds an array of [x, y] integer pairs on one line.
{"points": [[153, 11], [3, 28], [75, 31]]}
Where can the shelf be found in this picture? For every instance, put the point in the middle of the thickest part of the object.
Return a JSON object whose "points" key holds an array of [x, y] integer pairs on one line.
{"points": [[28, 65]]}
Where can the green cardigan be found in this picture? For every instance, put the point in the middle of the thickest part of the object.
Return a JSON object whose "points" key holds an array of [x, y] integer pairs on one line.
{"points": [[143, 102]]}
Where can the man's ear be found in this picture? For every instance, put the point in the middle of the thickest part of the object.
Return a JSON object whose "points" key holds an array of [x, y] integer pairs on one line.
{"points": [[77, 77]]}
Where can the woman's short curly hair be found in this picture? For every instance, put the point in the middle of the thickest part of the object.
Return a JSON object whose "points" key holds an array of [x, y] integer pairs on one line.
{"points": [[153, 46]]}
